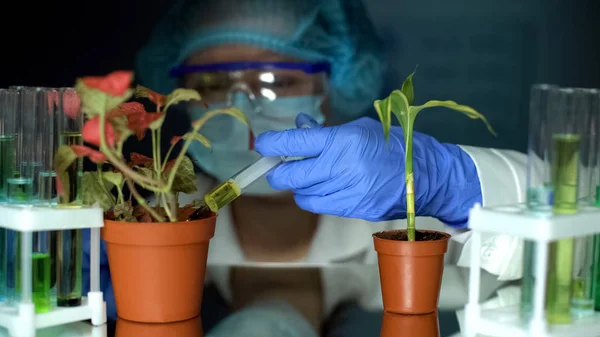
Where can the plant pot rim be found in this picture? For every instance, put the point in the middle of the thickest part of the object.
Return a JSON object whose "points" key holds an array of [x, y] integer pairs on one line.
{"points": [[411, 248], [212, 215], [159, 233]]}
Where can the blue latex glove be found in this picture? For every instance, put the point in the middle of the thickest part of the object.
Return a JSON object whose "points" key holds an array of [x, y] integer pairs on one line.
{"points": [[355, 174]]}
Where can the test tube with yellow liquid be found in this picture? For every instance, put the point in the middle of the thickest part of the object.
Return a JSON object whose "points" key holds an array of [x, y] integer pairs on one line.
{"points": [[69, 243], [235, 186]]}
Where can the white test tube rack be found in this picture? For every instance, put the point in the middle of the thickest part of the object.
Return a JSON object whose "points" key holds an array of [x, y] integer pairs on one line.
{"points": [[21, 320], [512, 220]]}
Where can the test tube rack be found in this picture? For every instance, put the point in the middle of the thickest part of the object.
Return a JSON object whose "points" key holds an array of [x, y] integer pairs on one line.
{"points": [[513, 220], [21, 320]]}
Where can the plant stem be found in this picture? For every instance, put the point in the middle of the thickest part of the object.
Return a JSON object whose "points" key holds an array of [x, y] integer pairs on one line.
{"points": [[410, 184], [142, 202], [196, 126], [167, 156], [141, 180]]}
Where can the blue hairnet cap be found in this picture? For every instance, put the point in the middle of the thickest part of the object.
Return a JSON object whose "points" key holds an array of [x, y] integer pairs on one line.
{"points": [[336, 31]]}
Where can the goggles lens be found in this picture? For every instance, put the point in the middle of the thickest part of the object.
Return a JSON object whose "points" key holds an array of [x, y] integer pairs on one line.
{"points": [[269, 81]]}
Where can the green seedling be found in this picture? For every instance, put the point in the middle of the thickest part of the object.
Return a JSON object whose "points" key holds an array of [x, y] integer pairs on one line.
{"points": [[399, 103]]}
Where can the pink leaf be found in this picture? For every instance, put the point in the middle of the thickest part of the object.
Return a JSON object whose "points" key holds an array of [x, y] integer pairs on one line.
{"points": [[114, 84], [84, 151]]}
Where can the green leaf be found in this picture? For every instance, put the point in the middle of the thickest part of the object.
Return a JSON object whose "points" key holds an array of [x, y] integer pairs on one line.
{"points": [[114, 101], [384, 111], [94, 102], [146, 172], [64, 157], [234, 112], [467, 110], [179, 95], [408, 88], [197, 137], [93, 192], [185, 178], [114, 178], [401, 108], [124, 212]]}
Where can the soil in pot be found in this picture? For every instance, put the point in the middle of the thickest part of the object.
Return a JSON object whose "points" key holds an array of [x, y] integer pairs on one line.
{"points": [[158, 269], [411, 272]]}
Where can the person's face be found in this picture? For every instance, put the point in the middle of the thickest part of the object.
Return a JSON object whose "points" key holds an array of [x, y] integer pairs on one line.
{"points": [[237, 53]]}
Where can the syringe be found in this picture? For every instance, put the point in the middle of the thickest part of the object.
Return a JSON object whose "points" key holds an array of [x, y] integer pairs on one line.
{"points": [[241, 181]]}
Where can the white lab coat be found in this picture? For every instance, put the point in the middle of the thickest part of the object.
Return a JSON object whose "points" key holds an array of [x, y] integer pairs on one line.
{"points": [[343, 248]]}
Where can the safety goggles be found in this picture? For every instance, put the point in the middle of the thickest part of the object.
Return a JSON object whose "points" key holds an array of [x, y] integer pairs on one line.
{"points": [[259, 81]]}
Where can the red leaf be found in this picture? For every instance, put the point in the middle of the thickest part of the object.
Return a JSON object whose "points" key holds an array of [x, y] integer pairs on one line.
{"points": [[132, 108], [156, 98], [71, 103], [139, 123], [176, 140], [169, 165], [91, 132], [137, 159], [114, 84], [84, 151]]}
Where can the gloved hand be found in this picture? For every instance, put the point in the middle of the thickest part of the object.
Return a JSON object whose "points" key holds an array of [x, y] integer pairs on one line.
{"points": [[355, 174]]}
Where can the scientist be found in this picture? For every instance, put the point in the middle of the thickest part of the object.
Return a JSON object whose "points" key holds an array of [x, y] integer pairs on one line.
{"points": [[302, 263]]}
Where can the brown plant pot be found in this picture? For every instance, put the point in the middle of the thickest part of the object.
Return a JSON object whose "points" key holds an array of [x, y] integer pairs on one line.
{"points": [[189, 328], [411, 272], [158, 269], [395, 325]]}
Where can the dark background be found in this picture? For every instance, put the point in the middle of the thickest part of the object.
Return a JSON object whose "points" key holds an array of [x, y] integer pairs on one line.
{"points": [[484, 53]]}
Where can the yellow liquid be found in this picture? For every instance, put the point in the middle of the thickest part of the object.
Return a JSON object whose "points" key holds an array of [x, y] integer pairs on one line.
{"points": [[222, 195], [71, 178]]}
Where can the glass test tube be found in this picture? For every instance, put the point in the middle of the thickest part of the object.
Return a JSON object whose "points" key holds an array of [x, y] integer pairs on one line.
{"points": [[595, 111], [35, 119], [23, 189], [39, 271], [539, 183], [8, 127], [70, 242], [585, 253], [568, 129]]}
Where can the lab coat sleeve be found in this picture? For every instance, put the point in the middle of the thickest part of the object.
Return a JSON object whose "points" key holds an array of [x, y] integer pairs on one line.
{"points": [[502, 174]]}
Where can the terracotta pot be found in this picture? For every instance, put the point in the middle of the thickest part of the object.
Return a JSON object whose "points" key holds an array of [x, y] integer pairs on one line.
{"points": [[157, 269], [410, 272], [189, 328], [395, 325]]}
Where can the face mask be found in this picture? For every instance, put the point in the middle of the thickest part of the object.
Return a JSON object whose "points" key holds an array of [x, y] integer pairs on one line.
{"points": [[230, 138]]}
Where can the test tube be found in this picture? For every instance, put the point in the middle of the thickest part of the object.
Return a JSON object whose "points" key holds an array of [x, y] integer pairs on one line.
{"points": [[8, 127], [69, 242], [585, 253], [539, 183], [595, 111], [569, 116], [23, 188], [38, 271], [32, 279]]}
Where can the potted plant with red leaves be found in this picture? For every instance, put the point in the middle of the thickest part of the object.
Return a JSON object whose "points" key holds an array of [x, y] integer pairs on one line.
{"points": [[411, 262], [157, 253]]}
